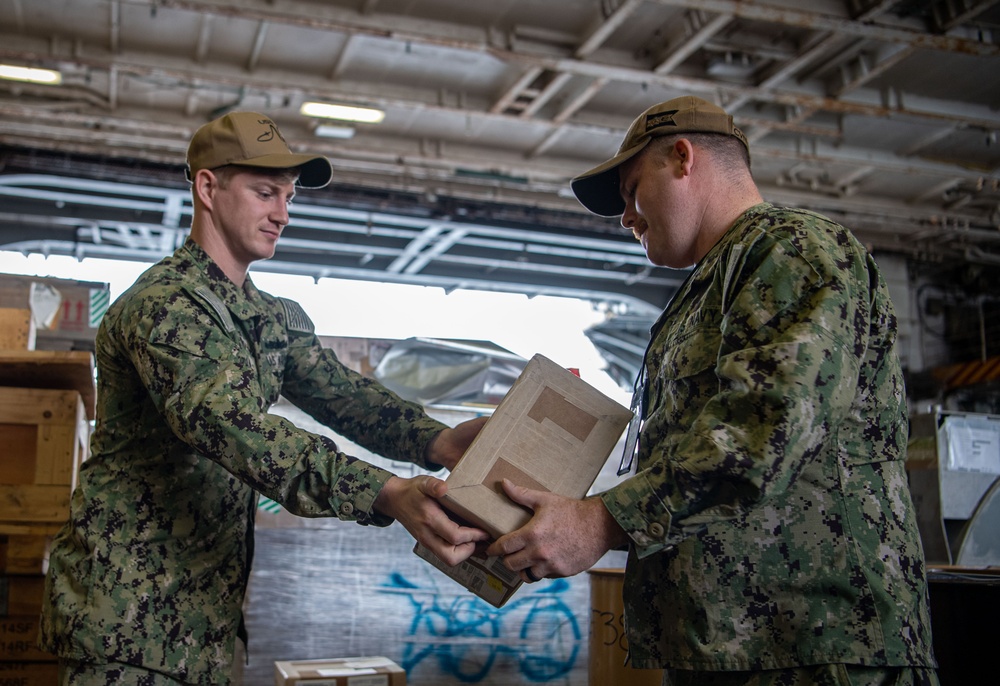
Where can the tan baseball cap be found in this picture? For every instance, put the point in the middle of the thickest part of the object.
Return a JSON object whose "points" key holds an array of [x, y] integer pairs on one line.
{"points": [[598, 189], [251, 139]]}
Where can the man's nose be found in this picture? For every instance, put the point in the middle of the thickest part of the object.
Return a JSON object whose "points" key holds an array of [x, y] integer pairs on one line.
{"points": [[628, 218], [280, 213]]}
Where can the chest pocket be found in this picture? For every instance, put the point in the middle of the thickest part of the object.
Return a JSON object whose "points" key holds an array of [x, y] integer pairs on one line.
{"points": [[686, 353], [269, 343], [691, 348]]}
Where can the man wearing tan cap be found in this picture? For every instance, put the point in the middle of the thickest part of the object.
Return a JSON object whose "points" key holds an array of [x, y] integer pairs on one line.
{"points": [[146, 583], [771, 535]]}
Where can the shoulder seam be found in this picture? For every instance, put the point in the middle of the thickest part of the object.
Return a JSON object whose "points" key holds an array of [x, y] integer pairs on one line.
{"points": [[206, 294]]}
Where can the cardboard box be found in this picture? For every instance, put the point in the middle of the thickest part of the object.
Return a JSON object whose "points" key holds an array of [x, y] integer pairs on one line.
{"points": [[57, 304], [343, 671], [551, 432], [487, 577], [359, 354]]}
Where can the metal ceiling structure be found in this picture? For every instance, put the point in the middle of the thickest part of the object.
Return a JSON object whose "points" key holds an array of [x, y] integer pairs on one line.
{"points": [[882, 114]]}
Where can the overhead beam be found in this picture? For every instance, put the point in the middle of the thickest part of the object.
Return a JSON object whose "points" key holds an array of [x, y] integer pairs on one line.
{"points": [[606, 27], [466, 38], [258, 45], [183, 71], [947, 14], [866, 10], [803, 18], [675, 55], [114, 27], [507, 98], [863, 68], [166, 143]]}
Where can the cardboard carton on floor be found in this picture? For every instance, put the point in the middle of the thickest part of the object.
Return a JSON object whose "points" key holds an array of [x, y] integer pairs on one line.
{"points": [[552, 432], [342, 671]]}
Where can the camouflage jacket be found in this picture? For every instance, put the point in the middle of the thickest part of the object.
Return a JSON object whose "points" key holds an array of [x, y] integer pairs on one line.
{"points": [[152, 568], [770, 517]]}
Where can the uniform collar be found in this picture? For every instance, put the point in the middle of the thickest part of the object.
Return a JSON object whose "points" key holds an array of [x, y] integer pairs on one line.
{"points": [[244, 303], [732, 235], [736, 231]]}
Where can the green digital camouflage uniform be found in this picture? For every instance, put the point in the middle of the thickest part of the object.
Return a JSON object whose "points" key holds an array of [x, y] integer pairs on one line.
{"points": [[770, 517], [153, 566]]}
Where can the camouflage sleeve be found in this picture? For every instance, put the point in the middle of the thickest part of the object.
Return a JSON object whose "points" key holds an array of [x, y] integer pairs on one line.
{"points": [[351, 404], [771, 371], [203, 381]]}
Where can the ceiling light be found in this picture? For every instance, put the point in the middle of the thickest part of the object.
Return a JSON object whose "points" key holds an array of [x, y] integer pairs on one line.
{"points": [[331, 131], [9, 71], [365, 115]]}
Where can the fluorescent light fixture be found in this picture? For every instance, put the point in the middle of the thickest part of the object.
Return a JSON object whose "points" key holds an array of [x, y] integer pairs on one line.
{"points": [[30, 74], [331, 131], [365, 115]]}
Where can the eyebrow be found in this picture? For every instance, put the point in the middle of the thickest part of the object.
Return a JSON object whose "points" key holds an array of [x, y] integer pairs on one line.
{"points": [[273, 185]]}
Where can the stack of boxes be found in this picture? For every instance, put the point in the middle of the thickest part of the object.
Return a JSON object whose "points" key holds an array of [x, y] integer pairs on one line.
{"points": [[46, 403], [40, 313]]}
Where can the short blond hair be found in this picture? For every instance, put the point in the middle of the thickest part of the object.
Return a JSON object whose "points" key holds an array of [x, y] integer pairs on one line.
{"points": [[226, 173], [729, 151]]}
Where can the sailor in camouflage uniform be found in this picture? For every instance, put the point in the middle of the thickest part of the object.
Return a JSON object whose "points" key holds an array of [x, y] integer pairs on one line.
{"points": [[771, 534], [146, 582]]}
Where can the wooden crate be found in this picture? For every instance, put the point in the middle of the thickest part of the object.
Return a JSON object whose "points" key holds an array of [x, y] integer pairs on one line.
{"points": [[44, 437], [24, 548], [29, 673], [45, 503], [18, 640], [61, 370], [21, 594], [17, 329]]}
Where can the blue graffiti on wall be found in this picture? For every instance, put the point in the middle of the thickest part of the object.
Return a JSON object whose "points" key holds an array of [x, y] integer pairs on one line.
{"points": [[467, 635]]}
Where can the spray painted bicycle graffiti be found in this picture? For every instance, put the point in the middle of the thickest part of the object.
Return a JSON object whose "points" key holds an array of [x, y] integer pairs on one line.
{"points": [[467, 635]]}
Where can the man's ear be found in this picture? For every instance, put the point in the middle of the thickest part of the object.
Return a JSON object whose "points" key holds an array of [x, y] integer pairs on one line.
{"points": [[683, 151], [205, 185]]}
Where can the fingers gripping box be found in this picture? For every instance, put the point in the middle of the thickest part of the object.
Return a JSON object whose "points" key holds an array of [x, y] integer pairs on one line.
{"points": [[343, 671], [551, 432]]}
